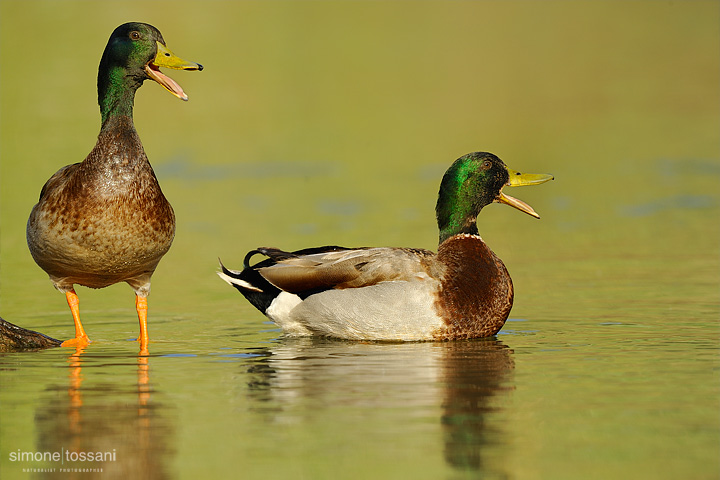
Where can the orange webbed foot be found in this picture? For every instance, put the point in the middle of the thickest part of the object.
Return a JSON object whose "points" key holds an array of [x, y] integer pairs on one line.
{"points": [[81, 341]]}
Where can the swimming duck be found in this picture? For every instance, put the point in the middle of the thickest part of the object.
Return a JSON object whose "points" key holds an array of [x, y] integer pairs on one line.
{"points": [[403, 294], [105, 220]]}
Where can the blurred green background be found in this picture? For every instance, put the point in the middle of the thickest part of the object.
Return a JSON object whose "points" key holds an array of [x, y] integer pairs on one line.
{"points": [[329, 122]]}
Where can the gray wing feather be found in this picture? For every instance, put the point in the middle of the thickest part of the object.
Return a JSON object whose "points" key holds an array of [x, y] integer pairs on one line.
{"points": [[351, 268]]}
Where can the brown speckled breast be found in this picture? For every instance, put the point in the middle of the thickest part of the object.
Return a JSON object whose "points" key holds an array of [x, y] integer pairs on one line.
{"points": [[476, 290], [104, 220]]}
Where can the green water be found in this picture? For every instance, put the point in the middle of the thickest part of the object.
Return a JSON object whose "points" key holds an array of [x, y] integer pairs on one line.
{"points": [[331, 123]]}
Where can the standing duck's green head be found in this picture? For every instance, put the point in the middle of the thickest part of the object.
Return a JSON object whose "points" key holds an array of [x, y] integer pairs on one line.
{"points": [[135, 53], [473, 181]]}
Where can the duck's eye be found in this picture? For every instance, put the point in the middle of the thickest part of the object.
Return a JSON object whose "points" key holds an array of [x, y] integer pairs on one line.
{"points": [[135, 35], [487, 164]]}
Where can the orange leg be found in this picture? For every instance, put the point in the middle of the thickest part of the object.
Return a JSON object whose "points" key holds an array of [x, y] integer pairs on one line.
{"points": [[142, 307], [81, 339]]}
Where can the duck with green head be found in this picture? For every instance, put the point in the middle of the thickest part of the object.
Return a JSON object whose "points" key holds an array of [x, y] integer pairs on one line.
{"points": [[405, 294], [105, 220]]}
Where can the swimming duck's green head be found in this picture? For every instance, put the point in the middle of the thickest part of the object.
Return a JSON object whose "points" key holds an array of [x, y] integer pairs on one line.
{"points": [[135, 53], [472, 182]]}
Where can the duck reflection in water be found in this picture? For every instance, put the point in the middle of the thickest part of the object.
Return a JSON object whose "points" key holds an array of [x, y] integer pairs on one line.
{"points": [[90, 416], [467, 380], [475, 372]]}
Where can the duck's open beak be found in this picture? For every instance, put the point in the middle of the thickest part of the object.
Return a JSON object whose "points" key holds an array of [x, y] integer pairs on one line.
{"points": [[165, 58], [518, 179]]}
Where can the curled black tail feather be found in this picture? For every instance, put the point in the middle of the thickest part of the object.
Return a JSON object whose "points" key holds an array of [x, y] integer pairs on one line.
{"points": [[250, 254], [254, 287]]}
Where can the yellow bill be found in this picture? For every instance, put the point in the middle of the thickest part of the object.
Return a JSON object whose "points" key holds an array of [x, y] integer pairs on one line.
{"points": [[518, 179], [165, 58]]}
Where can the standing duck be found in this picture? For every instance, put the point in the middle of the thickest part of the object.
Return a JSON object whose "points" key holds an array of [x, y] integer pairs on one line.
{"points": [[105, 220], [404, 294]]}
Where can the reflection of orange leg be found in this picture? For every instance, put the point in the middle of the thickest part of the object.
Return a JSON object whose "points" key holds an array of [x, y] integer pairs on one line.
{"points": [[74, 391], [143, 383], [142, 307], [81, 339]]}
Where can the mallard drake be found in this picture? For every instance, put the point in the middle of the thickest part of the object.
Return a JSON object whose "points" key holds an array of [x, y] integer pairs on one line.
{"points": [[462, 291], [105, 220]]}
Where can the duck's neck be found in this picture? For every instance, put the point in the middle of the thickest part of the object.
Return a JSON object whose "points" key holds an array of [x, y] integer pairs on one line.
{"points": [[116, 92], [460, 199], [457, 224], [456, 214], [118, 145]]}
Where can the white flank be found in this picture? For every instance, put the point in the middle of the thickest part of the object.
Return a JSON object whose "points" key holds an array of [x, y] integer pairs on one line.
{"points": [[401, 310], [280, 310]]}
